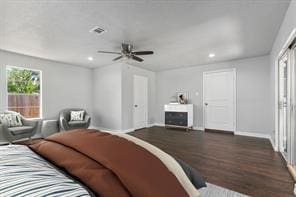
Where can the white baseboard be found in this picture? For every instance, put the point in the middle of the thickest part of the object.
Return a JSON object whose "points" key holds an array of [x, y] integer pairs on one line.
{"points": [[251, 134], [112, 130], [199, 128], [272, 144], [128, 130], [159, 124], [162, 125], [102, 129]]}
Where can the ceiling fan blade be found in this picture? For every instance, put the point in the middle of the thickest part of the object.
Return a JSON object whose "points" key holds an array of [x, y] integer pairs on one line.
{"points": [[142, 53], [137, 58], [117, 58], [110, 52]]}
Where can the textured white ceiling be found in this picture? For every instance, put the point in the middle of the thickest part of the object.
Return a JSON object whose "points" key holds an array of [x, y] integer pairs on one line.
{"points": [[181, 33]]}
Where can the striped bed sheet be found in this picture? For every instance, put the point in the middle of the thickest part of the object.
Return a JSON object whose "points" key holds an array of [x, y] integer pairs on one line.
{"points": [[25, 174]]}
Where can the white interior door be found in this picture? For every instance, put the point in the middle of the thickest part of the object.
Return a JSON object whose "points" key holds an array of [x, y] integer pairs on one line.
{"points": [[140, 101], [219, 98]]}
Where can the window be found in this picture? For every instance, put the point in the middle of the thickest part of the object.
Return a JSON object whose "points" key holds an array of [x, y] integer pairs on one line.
{"points": [[23, 88]]}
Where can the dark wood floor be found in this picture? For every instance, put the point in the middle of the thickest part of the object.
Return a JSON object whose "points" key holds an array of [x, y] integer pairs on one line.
{"points": [[244, 164]]}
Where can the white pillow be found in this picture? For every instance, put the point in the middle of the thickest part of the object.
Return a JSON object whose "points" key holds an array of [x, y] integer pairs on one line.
{"points": [[76, 115], [11, 120]]}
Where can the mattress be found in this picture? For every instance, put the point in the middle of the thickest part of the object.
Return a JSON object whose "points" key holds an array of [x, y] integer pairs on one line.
{"points": [[24, 173]]}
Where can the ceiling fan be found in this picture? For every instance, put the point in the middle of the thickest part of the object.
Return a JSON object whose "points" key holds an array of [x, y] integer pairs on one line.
{"points": [[127, 51]]}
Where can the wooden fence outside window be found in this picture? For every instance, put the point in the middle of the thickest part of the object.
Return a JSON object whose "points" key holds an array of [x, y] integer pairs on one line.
{"points": [[26, 104]]}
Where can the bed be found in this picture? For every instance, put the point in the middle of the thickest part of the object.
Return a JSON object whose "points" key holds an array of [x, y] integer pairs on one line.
{"points": [[92, 163]]}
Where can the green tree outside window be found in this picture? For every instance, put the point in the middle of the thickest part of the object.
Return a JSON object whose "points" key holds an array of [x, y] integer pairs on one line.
{"points": [[23, 81]]}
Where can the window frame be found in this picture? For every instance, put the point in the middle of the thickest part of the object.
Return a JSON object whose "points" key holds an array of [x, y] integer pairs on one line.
{"points": [[40, 91]]}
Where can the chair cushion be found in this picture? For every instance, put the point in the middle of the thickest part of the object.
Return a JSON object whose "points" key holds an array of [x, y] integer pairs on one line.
{"points": [[20, 130], [77, 123]]}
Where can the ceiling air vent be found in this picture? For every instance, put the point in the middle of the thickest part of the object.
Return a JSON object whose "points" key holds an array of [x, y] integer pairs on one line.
{"points": [[97, 30]]}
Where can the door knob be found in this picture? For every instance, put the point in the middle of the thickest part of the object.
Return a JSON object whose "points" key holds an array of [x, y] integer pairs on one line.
{"points": [[136, 105], [206, 104]]}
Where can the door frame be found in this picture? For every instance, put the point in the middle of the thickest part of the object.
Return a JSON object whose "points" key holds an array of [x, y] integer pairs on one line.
{"points": [[146, 101], [291, 102], [234, 94], [288, 107]]}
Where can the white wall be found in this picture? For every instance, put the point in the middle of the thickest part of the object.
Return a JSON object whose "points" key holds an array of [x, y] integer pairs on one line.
{"points": [[289, 23], [253, 93], [63, 85], [128, 72], [107, 92], [107, 97], [113, 96]]}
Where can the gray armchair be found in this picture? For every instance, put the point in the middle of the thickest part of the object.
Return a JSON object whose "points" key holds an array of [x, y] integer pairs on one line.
{"points": [[27, 130], [65, 123]]}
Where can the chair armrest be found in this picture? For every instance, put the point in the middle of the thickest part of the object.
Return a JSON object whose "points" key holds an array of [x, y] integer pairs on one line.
{"points": [[87, 119], [63, 124], [31, 123], [6, 134], [3, 127], [49, 127]]}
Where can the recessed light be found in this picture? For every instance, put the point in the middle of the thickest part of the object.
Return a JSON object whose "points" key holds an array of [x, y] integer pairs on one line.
{"points": [[211, 55], [90, 58]]}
